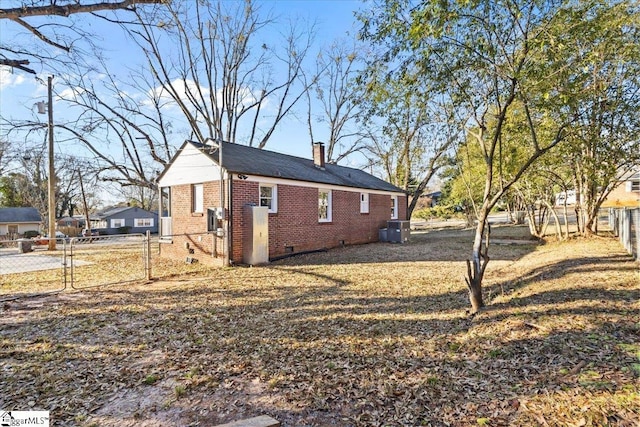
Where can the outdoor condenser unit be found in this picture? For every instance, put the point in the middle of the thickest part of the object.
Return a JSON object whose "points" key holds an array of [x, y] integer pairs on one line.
{"points": [[398, 231]]}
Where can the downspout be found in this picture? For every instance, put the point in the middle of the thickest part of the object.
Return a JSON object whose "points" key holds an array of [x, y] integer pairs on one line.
{"points": [[225, 216], [159, 213], [229, 231]]}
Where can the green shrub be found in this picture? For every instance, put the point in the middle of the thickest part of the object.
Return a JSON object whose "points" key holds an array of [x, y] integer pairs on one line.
{"points": [[438, 211]]}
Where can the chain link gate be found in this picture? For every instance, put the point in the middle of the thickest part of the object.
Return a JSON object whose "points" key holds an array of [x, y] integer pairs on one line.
{"points": [[28, 269], [106, 260]]}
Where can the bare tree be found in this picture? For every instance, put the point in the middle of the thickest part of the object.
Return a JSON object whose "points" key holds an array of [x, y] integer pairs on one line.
{"points": [[122, 128], [128, 124], [53, 38], [410, 132], [141, 197], [18, 56], [123, 125], [336, 91], [27, 184], [229, 80]]}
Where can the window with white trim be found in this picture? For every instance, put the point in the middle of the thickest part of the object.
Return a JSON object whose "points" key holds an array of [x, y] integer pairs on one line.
{"points": [[165, 201], [635, 185], [197, 198], [394, 207], [143, 222], [324, 205], [269, 197], [364, 202], [117, 222]]}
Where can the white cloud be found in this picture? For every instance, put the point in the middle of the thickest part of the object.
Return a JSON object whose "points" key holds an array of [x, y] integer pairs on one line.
{"points": [[10, 78], [181, 87], [71, 93]]}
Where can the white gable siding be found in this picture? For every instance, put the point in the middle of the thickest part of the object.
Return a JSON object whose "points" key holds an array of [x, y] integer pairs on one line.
{"points": [[191, 166]]}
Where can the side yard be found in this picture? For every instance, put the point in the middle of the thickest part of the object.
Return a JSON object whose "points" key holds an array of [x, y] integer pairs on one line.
{"points": [[359, 336]]}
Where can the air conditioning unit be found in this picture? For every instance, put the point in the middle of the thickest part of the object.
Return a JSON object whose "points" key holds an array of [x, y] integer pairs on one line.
{"points": [[398, 231]]}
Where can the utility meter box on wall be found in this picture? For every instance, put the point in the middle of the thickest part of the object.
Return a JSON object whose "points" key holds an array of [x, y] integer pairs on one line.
{"points": [[215, 216]]}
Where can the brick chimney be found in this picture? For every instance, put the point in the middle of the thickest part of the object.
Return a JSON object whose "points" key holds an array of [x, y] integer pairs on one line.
{"points": [[318, 155]]}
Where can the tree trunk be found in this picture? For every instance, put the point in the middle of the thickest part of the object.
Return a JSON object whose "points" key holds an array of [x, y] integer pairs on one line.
{"points": [[591, 218], [477, 265], [579, 224], [475, 296], [556, 219], [533, 224]]}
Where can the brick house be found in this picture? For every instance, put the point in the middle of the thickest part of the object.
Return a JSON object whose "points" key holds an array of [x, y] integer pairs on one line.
{"points": [[266, 203], [626, 193]]}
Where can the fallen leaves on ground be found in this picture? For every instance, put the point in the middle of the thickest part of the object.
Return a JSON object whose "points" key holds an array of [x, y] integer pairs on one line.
{"points": [[373, 335]]}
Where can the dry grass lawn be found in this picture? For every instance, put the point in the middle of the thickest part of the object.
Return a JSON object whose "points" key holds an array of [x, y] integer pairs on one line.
{"points": [[375, 335]]}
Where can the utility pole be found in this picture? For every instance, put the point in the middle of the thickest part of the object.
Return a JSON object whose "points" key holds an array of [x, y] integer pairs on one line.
{"points": [[87, 219], [52, 173]]}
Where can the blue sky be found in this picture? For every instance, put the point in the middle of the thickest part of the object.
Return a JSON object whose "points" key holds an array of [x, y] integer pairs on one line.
{"points": [[19, 91]]}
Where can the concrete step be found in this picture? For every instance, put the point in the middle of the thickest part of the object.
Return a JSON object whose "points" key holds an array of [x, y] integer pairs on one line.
{"points": [[261, 421]]}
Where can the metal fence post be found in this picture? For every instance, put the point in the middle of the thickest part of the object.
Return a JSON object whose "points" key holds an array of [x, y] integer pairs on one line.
{"points": [[627, 231], [635, 232], [148, 257]]}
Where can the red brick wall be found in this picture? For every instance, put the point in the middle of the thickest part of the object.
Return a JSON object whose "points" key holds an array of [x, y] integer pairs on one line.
{"points": [[620, 196], [295, 224], [190, 228]]}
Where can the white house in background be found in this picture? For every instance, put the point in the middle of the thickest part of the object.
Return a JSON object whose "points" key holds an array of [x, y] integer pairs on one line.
{"points": [[568, 197], [14, 222]]}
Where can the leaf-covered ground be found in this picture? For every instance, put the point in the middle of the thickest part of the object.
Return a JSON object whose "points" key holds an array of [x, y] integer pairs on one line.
{"points": [[374, 335]]}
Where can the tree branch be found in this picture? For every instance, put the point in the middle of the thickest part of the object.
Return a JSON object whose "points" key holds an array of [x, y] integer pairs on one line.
{"points": [[20, 64], [39, 35], [70, 9]]}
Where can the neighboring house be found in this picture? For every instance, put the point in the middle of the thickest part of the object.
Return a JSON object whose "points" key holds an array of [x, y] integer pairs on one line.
{"points": [[14, 222], [272, 204], [568, 197], [429, 200], [124, 219], [626, 194], [76, 221]]}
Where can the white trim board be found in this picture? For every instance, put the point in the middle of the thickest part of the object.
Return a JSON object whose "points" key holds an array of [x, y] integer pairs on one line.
{"points": [[296, 183]]}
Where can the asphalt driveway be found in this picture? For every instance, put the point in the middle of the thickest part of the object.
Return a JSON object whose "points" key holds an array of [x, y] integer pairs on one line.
{"points": [[11, 261]]}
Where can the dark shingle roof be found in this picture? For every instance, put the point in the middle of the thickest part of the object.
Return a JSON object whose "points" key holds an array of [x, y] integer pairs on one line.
{"points": [[116, 210], [112, 211], [19, 215], [242, 159]]}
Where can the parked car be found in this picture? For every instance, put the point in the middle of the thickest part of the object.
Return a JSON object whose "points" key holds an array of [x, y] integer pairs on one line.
{"points": [[88, 233], [44, 240], [60, 237]]}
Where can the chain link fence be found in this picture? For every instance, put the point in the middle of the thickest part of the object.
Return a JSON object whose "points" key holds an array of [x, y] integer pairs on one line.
{"points": [[29, 268], [625, 223], [105, 260]]}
